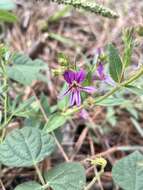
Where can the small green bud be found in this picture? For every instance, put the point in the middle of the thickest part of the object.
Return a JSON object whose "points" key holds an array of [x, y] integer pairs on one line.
{"points": [[63, 59], [99, 161]]}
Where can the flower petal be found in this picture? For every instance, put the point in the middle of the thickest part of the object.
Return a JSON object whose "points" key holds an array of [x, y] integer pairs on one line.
{"points": [[78, 98], [72, 98], [88, 89], [69, 76], [100, 71], [80, 76]]}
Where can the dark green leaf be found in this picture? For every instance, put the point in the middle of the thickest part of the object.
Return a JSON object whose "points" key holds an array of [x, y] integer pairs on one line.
{"points": [[128, 173], [25, 71], [31, 185], [26, 147], [66, 176], [55, 121]]}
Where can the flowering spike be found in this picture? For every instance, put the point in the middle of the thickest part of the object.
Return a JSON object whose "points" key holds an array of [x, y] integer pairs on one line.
{"points": [[89, 6]]}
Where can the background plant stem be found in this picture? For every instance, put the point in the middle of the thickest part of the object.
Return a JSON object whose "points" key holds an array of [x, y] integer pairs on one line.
{"points": [[88, 187]]}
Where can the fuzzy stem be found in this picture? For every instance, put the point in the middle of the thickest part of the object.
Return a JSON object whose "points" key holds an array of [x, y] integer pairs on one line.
{"points": [[39, 175]]}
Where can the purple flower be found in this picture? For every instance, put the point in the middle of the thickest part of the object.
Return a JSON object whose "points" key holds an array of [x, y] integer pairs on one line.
{"points": [[104, 77], [74, 80]]}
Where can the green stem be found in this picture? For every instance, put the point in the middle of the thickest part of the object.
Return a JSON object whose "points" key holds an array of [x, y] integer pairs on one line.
{"points": [[135, 77], [123, 84], [107, 95], [7, 121]]}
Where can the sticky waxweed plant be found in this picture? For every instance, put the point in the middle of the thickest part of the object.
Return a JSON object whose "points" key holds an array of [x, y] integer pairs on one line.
{"points": [[119, 79], [29, 145]]}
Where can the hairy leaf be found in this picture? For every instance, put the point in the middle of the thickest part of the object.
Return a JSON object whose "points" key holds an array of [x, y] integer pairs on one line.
{"points": [[70, 176], [55, 121], [31, 185], [23, 109], [25, 71], [115, 63], [128, 173], [26, 147], [128, 46]]}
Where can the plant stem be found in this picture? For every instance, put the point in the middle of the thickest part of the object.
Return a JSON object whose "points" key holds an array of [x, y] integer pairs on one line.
{"points": [[88, 187], [39, 175], [107, 94], [5, 99], [59, 146]]}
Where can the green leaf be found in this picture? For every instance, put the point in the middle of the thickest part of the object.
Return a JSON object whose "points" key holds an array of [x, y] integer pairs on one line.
{"points": [[128, 46], [25, 71], [7, 4], [55, 121], [128, 173], [31, 185], [115, 63], [24, 109], [6, 16], [25, 147], [69, 176], [91, 6], [113, 102], [135, 90]]}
